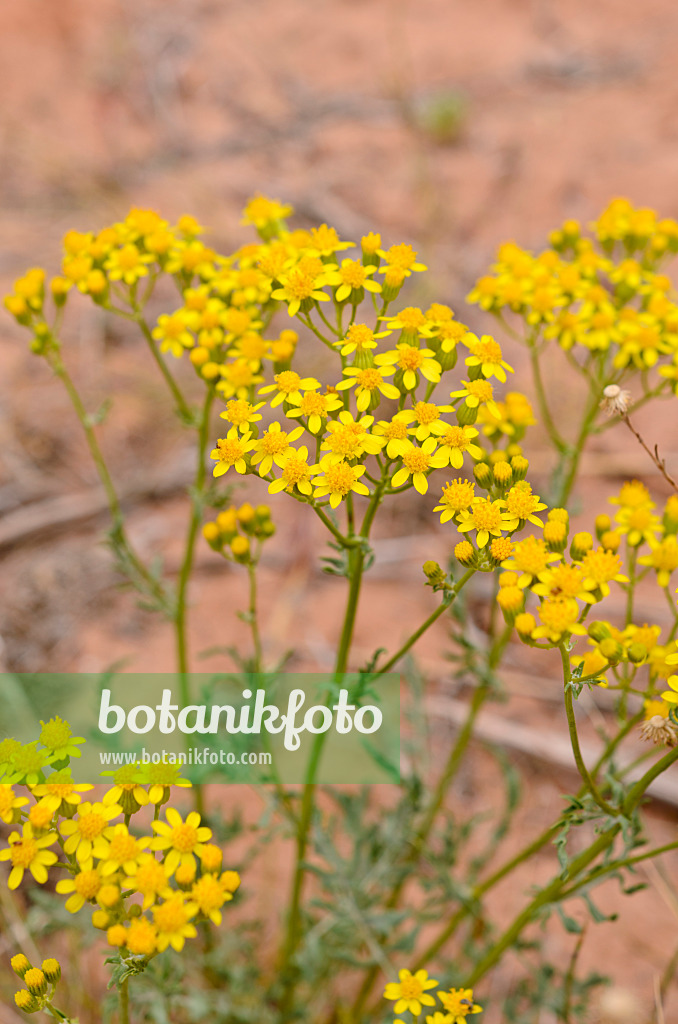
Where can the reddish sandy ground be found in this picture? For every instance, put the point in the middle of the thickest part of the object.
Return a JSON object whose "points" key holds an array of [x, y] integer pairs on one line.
{"points": [[191, 107]]}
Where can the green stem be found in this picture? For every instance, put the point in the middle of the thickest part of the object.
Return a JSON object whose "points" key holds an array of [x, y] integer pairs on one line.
{"points": [[558, 442], [574, 737], [426, 624], [253, 617], [124, 1001], [180, 622], [118, 529], [551, 893], [356, 563], [576, 453], [182, 405]]}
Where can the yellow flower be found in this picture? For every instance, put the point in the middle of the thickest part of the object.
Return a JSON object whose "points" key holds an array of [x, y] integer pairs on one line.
{"points": [[121, 850], [410, 992], [559, 617], [142, 937], [231, 451], [183, 839], [476, 393], [369, 383], [350, 280], [337, 480], [325, 241], [127, 264], [84, 886], [457, 497], [487, 518], [302, 286], [172, 921], [563, 579], [348, 438], [403, 258], [396, 434], [417, 463], [263, 213], [272, 447], [315, 408], [670, 696], [209, 896], [359, 338], [487, 355], [9, 803], [633, 494], [599, 567], [458, 1003], [25, 852], [290, 387], [411, 361], [127, 790], [238, 377], [57, 737], [150, 878], [522, 504], [173, 332], [61, 792], [663, 558], [638, 523], [427, 417], [454, 442], [241, 414], [159, 778], [296, 472], [91, 824], [531, 557]]}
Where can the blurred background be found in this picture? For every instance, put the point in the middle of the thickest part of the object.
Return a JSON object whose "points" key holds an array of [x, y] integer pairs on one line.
{"points": [[448, 124]]}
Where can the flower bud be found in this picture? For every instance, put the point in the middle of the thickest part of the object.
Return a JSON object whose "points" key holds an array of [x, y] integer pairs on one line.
{"points": [[211, 857], [611, 540], [559, 515], [611, 649], [598, 631], [466, 414], [20, 964], [35, 981], [637, 654], [26, 1002], [500, 548], [465, 553], [100, 919], [502, 473], [240, 548], [511, 600], [116, 935], [434, 574], [580, 546], [670, 518], [246, 517], [52, 970], [483, 474], [212, 535], [520, 466], [227, 521], [555, 535], [603, 523], [525, 625]]}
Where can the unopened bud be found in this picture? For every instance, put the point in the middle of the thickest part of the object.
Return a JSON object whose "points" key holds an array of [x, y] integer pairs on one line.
{"points": [[580, 546]]}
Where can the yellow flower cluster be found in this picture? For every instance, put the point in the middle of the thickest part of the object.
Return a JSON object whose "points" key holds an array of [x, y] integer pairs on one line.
{"points": [[598, 294], [412, 992], [398, 359], [40, 982], [146, 889], [224, 535]]}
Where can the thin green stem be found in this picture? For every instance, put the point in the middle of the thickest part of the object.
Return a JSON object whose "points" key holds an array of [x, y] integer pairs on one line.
{"points": [[182, 405], [253, 616], [426, 624], [574, 737], [180, 621], [558, 442], [124, 1001]]}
